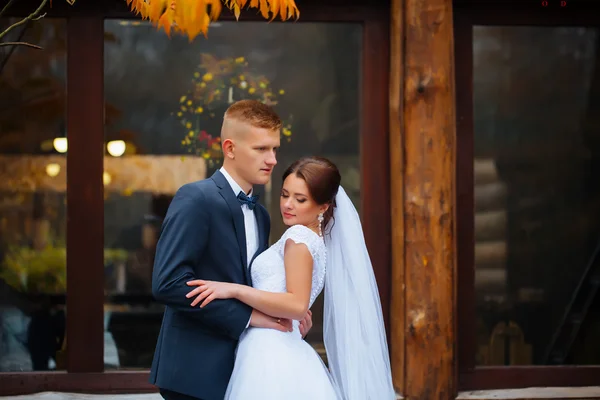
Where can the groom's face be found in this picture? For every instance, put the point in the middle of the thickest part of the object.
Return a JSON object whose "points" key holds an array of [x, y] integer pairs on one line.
{"points": [[255, 154]]}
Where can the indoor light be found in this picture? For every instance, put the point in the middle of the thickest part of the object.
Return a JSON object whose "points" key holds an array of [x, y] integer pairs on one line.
{"points": [[106, 178], [60, 144], [52, 169], [116, 148]]}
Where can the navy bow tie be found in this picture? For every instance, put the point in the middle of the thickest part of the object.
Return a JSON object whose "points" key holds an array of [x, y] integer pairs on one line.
{"points": [[249, 201]]}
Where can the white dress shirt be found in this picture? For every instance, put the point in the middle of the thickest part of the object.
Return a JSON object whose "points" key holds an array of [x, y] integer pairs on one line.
{"points": [[250, 226]]}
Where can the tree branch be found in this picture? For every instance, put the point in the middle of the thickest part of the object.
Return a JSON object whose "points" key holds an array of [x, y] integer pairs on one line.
{"points": [[31, 16], [6, 7], [19, 44], [4, 61]]}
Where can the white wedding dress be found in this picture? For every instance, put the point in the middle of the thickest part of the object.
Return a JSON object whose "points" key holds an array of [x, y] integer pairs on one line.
{"points": [[280, 365]]}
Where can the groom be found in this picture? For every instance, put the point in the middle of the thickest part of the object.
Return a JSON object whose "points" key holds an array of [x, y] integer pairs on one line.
{"points": [[213, 230]]}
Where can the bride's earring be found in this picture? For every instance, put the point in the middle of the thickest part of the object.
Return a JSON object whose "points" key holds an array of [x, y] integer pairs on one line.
{"points": [[320, 218]]}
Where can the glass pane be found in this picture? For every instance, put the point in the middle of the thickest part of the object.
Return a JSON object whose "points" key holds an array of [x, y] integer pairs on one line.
{"points": [[309, 71], [537, 159], [33, 198]]}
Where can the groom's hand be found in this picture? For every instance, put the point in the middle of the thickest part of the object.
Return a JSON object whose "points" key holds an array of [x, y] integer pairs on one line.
{"points": [[306, 324], [261, 320]]}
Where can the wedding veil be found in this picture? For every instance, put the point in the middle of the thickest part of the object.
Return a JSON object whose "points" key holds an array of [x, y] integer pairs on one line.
{"points": [[354, 331]]}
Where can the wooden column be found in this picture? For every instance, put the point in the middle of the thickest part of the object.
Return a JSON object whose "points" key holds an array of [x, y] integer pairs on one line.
{"points": [[396, 143], [422, 154], [374, 164], [85, 194]]}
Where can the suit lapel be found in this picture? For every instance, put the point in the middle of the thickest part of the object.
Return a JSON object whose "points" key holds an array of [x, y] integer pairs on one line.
{"points": [[238, 218]]}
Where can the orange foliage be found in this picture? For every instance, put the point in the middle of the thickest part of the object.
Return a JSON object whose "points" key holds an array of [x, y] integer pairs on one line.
{"points": [[192, 17]]}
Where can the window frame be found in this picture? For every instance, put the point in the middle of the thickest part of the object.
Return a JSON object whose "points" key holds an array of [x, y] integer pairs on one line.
{"points": [[468, 14], [85, 210]]}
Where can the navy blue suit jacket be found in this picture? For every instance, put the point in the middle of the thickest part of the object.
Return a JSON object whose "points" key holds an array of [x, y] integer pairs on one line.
{"points": [[202, 237]]}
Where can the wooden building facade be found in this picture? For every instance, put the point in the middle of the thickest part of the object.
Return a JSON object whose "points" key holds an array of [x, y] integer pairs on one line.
{"points": [[435, 198]]}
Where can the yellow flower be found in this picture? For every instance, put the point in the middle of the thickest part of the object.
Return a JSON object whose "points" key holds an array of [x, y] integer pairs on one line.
{"points": [[199, 110], [203, 84], [191, 133], [196, 74], [242, 78], [183, 108], [262, 85], [179, 114], [206, 155], [207, 77], [282, 91], [182, 99], [287, 132], [239, 60], [251, 90], [189, 102], [188, 125]]}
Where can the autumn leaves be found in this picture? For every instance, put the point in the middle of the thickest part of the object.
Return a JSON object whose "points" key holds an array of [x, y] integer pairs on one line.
{"points": [[192, 17]]}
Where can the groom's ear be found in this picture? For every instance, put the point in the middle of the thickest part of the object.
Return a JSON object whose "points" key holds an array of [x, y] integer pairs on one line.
{"points": [[228, 148]]}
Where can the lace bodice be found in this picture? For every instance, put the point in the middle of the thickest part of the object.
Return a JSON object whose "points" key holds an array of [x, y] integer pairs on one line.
{"points": [[268, 270]]}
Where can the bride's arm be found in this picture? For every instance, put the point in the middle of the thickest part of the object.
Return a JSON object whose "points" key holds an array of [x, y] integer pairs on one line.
{"points": [[293, 304]]}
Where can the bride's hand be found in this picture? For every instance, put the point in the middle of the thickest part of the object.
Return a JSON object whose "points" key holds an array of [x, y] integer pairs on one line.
{"points": [[210, 290]]}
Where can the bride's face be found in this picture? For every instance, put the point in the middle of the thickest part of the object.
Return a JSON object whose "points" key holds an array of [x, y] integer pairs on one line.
{"points": [[296, 204]]}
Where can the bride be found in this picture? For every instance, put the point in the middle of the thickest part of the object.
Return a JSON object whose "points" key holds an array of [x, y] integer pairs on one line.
{"points": [[323, 248]]}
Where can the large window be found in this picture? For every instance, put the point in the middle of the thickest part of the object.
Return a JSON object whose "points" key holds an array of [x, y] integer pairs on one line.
{"points": [[528, 202], [165, 129], [33, 198], [537, 158]]}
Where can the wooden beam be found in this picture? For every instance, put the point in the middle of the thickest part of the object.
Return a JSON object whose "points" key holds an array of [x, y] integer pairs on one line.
{"points": [[374, 164], [429, 206], [310, 10], [533, 393], [472, 178], [522, 377], [396, 143], [85, 194], [23, 383]]}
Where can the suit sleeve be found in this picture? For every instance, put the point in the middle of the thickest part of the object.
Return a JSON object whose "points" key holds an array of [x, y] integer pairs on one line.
{"points": [[183, 239]]}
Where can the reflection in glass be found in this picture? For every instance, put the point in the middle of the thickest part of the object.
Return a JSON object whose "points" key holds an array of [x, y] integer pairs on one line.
{"points": [[537, 158], [165, 99], [32, 198]]}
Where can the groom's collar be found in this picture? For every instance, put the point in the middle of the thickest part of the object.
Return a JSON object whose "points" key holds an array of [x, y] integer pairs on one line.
{"points": [[234, 185]]}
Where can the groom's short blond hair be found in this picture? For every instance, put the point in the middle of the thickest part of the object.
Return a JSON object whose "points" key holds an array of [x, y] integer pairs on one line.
{"points": [[253, 113]]}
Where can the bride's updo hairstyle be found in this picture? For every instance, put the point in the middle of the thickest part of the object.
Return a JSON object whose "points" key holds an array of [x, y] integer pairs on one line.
{"points": [[322, 178]]}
